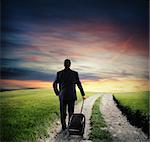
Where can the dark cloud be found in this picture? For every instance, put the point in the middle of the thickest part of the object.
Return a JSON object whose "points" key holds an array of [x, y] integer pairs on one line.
{"points": [[146, 75], [90, 76], [131, 16], [133, 12], [6, 62], [25, 74]]}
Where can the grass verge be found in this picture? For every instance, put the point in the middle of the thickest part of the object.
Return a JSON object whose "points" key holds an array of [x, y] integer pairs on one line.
{"points": [[135, 107], [99, 128], [27, 114]]}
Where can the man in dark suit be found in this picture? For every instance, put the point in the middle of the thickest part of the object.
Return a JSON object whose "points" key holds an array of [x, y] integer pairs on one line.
{"points": [[67, 80]]}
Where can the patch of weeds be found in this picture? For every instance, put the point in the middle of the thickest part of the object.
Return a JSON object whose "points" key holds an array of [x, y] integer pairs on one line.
{"points": [[99, 129]]}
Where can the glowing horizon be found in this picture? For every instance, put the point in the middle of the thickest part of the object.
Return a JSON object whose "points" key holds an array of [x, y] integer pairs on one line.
{"points": [[113, 86]]}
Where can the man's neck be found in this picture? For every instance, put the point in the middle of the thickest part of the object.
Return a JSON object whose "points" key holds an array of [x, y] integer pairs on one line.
{"points": [[67, 68]]}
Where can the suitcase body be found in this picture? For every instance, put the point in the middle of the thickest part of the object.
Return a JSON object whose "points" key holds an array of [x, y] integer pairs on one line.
{"points": [[77, 124]]}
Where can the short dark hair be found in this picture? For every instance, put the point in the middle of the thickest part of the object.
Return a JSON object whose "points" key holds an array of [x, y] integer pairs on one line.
{"points": [[67, 63]]}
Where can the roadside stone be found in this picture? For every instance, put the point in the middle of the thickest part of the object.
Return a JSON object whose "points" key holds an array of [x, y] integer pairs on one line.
{"points": [[58, 123], [104, 128]]}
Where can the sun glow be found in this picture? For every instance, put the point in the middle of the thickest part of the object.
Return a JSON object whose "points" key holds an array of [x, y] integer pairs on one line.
{"points": [[124, 85]]}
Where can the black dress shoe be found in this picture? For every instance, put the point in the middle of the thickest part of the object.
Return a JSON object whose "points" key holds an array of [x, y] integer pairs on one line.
{"points": [[64, 127]]}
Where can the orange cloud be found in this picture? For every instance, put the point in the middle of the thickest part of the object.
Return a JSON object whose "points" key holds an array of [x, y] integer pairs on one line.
{"points": [[26, 83], [32, 58]]}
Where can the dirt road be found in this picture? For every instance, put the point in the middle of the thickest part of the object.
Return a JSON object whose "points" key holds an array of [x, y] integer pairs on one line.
{"points": [[119, 127]]}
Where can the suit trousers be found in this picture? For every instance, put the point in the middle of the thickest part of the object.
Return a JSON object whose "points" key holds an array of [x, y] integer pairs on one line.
{"points": [[63, 106]]}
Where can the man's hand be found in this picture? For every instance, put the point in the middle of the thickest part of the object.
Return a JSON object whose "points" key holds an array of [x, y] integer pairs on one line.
{"points": [[57, 94], [83, 97]]}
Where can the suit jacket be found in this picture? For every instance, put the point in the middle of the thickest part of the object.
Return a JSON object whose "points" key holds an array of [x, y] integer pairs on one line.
{"points": [[67, 80]]}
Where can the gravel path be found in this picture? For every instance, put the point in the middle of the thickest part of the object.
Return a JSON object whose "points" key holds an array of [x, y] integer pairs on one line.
{"points": [[118, 125], [55, 136]]}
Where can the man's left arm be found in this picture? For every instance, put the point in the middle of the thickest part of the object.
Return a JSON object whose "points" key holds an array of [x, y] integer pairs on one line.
{"points": [[55, 86]]}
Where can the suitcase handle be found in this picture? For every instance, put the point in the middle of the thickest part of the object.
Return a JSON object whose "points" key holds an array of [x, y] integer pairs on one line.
{"points": [[82, 106]]}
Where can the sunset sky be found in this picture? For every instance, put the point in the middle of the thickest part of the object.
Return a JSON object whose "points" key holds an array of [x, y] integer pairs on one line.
{"points": [[106, 40]]}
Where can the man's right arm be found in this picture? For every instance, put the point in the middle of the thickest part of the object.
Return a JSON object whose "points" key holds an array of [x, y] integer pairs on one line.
{"points": [[55, 85], [80, 85]]}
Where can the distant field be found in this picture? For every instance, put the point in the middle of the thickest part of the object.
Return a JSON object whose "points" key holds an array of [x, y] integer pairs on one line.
{"points": [[26, 114], [136, 107], [135, 101]]}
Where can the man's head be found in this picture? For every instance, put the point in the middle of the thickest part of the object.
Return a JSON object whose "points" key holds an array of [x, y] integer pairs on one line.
{"points": [[67, 63]]}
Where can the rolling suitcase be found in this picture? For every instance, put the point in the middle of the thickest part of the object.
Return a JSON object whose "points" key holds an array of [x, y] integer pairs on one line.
{"points": [[77, 123]]}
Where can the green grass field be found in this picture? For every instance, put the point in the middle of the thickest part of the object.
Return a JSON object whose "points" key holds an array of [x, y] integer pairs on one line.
{"points": [[135, 101], [99, 130], [27, 114]]}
